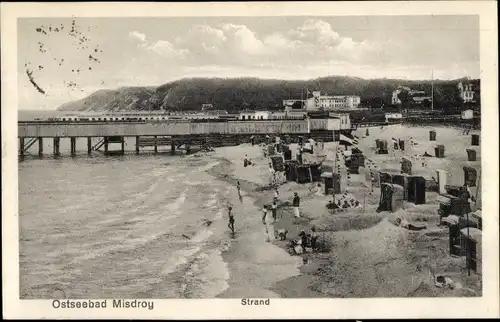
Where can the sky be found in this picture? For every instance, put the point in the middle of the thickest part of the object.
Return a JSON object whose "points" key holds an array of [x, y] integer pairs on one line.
{"points": [[107, 53]]}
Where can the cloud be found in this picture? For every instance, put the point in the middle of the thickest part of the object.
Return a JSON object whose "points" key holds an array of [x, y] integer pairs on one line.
{"points": [[236, 44], [138, 36], [166, 49], [310, 49], [162, 48]]}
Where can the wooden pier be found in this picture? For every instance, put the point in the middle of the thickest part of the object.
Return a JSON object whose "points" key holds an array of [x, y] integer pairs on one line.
{"points": [[170, 134]]}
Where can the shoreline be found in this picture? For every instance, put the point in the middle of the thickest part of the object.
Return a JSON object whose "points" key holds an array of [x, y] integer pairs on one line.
{"points": [[295, 286], [367, 254]]}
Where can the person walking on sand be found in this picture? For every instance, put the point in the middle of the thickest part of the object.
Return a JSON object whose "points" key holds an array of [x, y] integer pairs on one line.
{"points": [[296, 204], [314, 238], [274, 209], [303, 241], [238, 186], [264, 214], [276, 194], [231, 219]]}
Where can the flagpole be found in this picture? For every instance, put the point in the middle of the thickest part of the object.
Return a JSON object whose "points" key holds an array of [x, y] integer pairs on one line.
{"points": [[307, 95], [432, 89]]}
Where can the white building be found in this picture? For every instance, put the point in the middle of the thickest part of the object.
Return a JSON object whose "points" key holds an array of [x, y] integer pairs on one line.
{"points": [[467, 115], [393, 116], [294, 114], [395, 93], [466, 92], [262, 115], [254, 115], [415, 96], [325, 102], [247, 115], [329, 103]]}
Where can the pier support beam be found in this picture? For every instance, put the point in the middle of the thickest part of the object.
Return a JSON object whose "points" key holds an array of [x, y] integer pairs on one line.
{"points": [[106, 145], [40, 146], [188, 148], [137, 145], [172, 147], [21, 146], [123, 145], [89, 145], [73, 146], [56, 147], [156, 144]]}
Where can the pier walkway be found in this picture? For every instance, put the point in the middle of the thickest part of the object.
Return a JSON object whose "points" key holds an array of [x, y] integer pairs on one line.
{"points": [[173, 132]]}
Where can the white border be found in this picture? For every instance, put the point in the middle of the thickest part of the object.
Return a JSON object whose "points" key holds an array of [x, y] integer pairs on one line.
{"points": [[487, 306]]}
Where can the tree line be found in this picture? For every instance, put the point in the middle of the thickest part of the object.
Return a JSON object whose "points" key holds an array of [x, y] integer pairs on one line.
{"points": [[237, 94]]}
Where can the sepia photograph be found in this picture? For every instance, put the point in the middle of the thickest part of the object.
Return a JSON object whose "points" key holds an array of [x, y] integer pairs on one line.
{"points": [[250, 157]]}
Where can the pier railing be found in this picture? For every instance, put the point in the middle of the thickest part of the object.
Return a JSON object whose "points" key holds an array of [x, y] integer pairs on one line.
{"points": [[143, 128]]}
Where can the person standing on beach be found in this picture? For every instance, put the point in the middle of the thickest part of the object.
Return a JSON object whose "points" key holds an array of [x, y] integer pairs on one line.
{"points": [[296, 204], [272, 175], [264, 211], [274, 209], [231, 219], [314, 238]]}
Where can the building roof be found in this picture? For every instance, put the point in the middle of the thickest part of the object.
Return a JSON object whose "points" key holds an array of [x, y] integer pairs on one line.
{"points": [[217, 112]]}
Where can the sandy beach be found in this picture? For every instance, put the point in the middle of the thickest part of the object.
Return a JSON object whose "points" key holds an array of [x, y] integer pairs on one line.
{"points": [[362, 253]]}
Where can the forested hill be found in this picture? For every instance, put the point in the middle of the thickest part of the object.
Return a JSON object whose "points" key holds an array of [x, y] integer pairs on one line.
{"points": [[234, 94]]}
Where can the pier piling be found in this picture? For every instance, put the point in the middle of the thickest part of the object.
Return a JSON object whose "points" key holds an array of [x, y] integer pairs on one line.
{"points": [[89, 145], [137, 145], [123, 145], [56, 147], [172, 147], [21, 146], [106, 145], [40, 146], [73, 146], [156, 144]]}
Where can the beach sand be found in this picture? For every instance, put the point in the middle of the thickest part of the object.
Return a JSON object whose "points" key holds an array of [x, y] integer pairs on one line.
{"points": [[363, 253]]}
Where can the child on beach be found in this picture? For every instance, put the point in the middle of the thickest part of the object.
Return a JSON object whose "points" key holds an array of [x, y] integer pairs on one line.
{"points": [[264, 211], [231, 219], [274, 209], [296, 204]]}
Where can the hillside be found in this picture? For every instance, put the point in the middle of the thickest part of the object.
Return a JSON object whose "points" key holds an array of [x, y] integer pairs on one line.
{"points": [[234, 94]]}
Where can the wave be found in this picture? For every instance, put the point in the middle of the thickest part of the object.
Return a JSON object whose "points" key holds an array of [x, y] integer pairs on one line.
{"points": [[179, 201], [177, 259], [202, 235], [207, 276], [207, 167]]}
